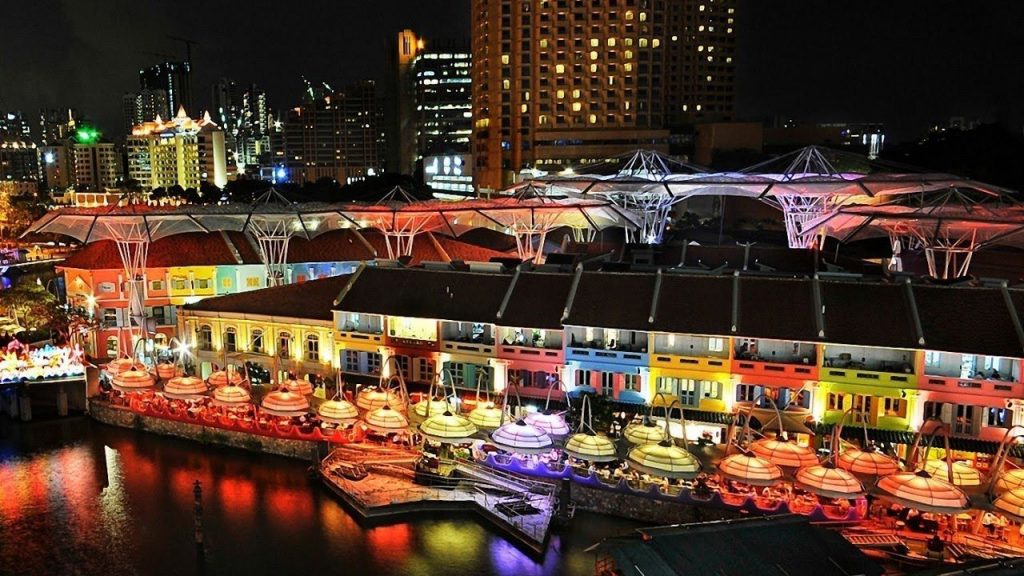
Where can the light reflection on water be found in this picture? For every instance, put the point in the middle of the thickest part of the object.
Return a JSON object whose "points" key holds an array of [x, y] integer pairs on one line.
{"points": [[80, 498]]}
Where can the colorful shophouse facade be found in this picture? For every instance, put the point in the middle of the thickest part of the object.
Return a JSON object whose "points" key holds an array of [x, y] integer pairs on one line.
{"points": [[891, 353]]}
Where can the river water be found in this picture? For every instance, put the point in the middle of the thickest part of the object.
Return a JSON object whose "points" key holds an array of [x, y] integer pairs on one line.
{"points": [[78, 497]]}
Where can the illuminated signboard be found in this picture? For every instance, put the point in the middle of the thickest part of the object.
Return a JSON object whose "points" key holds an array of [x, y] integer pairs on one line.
{"points": [[449, 172]]}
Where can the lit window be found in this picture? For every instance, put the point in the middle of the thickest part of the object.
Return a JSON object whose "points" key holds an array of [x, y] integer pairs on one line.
{"points": [[312, 348], [559, 69]]}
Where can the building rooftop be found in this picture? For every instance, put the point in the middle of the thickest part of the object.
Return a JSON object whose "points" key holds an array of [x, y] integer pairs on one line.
{"points": [[752, 547], [311, 300]]}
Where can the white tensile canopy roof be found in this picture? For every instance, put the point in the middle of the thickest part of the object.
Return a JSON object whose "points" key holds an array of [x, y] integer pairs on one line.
{"points": [[947, 225]]}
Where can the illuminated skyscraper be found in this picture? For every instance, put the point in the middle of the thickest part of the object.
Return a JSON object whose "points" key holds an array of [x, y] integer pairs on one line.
{"points": [[563, 82], [177, 152], [174, 78], [431, 100], [97, 163], [144, 106], [336, 134]]}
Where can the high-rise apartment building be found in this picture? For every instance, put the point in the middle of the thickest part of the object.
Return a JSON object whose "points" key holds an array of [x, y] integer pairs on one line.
{"points": [[175, 79], [15, 125], [177, 152], [564, 82], [144, 106], [337, 134], [56, 166], [432, 99], [243, 115], [97, 165]]}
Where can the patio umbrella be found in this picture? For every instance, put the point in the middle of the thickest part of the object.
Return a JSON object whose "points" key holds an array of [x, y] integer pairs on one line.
{"points": [[828, 481], [338, 411], [920, 490], [283, 402], [386, 420], [591, 447], [521, 438], [784, 454], [429, 406], [963, 475], [230, 396], [448, 428], [552, 423], [185, 387], [663, 459], [750, 469]]}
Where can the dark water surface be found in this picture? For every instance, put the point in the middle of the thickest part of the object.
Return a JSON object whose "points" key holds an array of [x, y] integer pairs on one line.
{"points": [[77, 497]]}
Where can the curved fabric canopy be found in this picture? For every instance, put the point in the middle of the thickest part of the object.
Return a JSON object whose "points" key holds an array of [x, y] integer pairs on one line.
{"points": [[220, 378], [963, 475], [301, 386], [486, 415], [1011, 503], [645, 432], [521, 438], [750, 469], [430, 407], [133, 379], [386, 420], [131, 221], [448, 428], [663, 459], [591, 447], [283, 402], [1009, 480], [552, 423], [867, 463], [920, 490], [784, 454], [231, 395], [829, 481], [185, 387], [337, 411], [375, 397]]}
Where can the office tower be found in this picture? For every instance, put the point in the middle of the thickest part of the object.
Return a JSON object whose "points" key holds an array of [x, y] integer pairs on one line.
{"points": [[432, 99], [243, 115], [564, 82], [177, 152], [144, 106], [174, 78], [336, 134]]}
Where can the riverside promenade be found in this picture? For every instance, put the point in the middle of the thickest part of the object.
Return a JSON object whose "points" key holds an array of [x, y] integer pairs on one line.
{"points": [[381, 483]]}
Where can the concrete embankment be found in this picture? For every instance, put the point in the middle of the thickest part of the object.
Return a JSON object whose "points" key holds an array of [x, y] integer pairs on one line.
{"points": [[124, 418]]}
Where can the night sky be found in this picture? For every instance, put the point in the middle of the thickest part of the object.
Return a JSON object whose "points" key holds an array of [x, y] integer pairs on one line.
{"points": [[906, 63]]}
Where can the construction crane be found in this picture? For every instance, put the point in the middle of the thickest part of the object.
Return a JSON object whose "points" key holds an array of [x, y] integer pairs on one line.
{"points": [[189, 43]]}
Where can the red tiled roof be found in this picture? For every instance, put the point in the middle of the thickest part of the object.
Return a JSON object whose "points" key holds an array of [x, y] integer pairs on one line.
{"points": [[312, 300], [193, 249]]}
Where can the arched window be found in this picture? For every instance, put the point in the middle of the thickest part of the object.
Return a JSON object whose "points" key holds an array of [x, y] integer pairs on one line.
{"points": [[257, 341], [312, 348], [112, 346], [230, 340], [204, 338], [284, 345]]}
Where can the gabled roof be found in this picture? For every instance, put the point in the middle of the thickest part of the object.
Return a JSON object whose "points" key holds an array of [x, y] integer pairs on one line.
{"points": [[868, 314], [969, 320], [419, 293], [311, 300], [537, 301], [192, 249], [694, 305], [781, 307], [613, 300]]}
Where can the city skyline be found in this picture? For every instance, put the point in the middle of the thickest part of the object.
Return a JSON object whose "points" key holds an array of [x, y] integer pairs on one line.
{"points": [[844, 60]]}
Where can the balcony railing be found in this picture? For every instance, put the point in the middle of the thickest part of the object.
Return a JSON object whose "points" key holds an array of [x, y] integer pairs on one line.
{"points": [[991, 387], [360, 335], [629, 354], [706, 363], [533, 353], [864, 376], [804, 369], [481, 346]]}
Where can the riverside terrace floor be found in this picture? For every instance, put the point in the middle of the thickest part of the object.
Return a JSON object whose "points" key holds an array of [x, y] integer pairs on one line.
{"points": [[389, 490]]}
